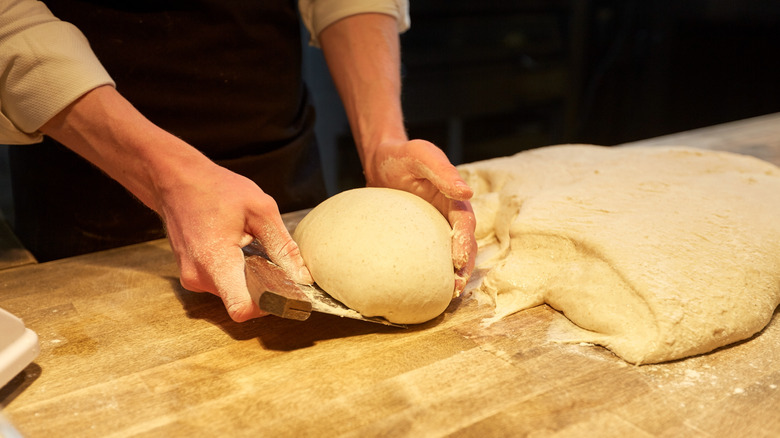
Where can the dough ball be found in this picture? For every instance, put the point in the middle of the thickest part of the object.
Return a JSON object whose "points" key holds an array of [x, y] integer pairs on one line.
{"points": [[381, 252]]}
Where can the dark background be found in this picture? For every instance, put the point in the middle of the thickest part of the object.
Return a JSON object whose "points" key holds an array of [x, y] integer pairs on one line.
{"points": [[488, 78], [493, 77]]}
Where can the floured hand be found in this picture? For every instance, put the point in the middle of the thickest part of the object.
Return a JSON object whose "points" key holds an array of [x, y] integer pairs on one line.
{"points": [[208, 228], [419, 167], [210, 212], [363, 56]]}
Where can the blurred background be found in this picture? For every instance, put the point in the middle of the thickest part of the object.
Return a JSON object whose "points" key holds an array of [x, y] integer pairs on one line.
{"points": [[490, 78]]}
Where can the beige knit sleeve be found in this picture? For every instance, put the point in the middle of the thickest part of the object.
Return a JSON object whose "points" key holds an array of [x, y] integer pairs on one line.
{"points": [[319, 14], [45, 64]]}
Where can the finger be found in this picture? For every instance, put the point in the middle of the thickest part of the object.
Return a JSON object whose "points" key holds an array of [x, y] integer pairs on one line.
{"points": [[191, 285], [190, 276], [464, 244], [281, 248], [432, 164], [230, 282]]}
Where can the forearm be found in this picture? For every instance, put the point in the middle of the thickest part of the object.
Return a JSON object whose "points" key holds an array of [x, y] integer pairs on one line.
{"points": [[363, 55], [108, 131]]}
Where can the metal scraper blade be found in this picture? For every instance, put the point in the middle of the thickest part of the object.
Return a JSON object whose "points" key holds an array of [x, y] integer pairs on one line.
{"points": [[276, 294], [321, 301]]}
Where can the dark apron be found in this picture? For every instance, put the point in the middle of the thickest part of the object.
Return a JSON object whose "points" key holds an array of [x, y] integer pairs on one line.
{"points": [[223, 75]]}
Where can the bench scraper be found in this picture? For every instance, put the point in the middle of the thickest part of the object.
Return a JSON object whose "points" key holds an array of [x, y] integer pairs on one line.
{"points": [[276, 294]]}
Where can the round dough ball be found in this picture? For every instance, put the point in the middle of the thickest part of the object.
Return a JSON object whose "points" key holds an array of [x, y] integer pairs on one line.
{"points": [[381, 252]]}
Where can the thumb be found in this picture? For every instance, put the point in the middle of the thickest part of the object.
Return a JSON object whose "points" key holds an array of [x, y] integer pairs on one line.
{"points": [[282, 249]]}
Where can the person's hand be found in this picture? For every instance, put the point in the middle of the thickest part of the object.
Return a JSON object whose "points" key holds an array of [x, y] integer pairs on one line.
{"points": [[419, 167], [210, 213], [210, 218], [363, 56]]}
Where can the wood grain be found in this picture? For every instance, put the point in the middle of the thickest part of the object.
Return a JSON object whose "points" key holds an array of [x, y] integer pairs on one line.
{"points": [[127, 352]]}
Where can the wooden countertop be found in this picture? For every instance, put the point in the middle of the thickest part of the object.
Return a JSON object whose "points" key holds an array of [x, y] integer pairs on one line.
{"points": [[125, 351]]}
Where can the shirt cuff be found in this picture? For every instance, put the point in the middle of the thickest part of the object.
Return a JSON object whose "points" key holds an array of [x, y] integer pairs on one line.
{"points": [[45, 68], [319, 14]]}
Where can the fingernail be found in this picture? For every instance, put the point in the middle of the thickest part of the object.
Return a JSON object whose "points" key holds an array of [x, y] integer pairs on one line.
{"points": [[463, 187]]}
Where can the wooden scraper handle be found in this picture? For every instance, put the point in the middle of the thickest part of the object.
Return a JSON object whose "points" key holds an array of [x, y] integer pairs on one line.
{"points": [[271, 287]]}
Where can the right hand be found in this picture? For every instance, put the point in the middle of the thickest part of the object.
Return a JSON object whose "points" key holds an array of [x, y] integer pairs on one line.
{"points": [[210, 212], [209, 219]]}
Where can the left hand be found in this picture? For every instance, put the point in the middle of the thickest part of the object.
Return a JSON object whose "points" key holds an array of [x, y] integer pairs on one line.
{"points": [[421, 168]]}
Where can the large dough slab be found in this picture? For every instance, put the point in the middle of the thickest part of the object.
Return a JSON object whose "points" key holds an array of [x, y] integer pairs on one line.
{"points": [[656, 253]]}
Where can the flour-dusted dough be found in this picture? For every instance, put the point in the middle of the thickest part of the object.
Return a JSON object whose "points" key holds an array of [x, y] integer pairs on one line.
{"points": [[382, 252], [657, 253]]}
